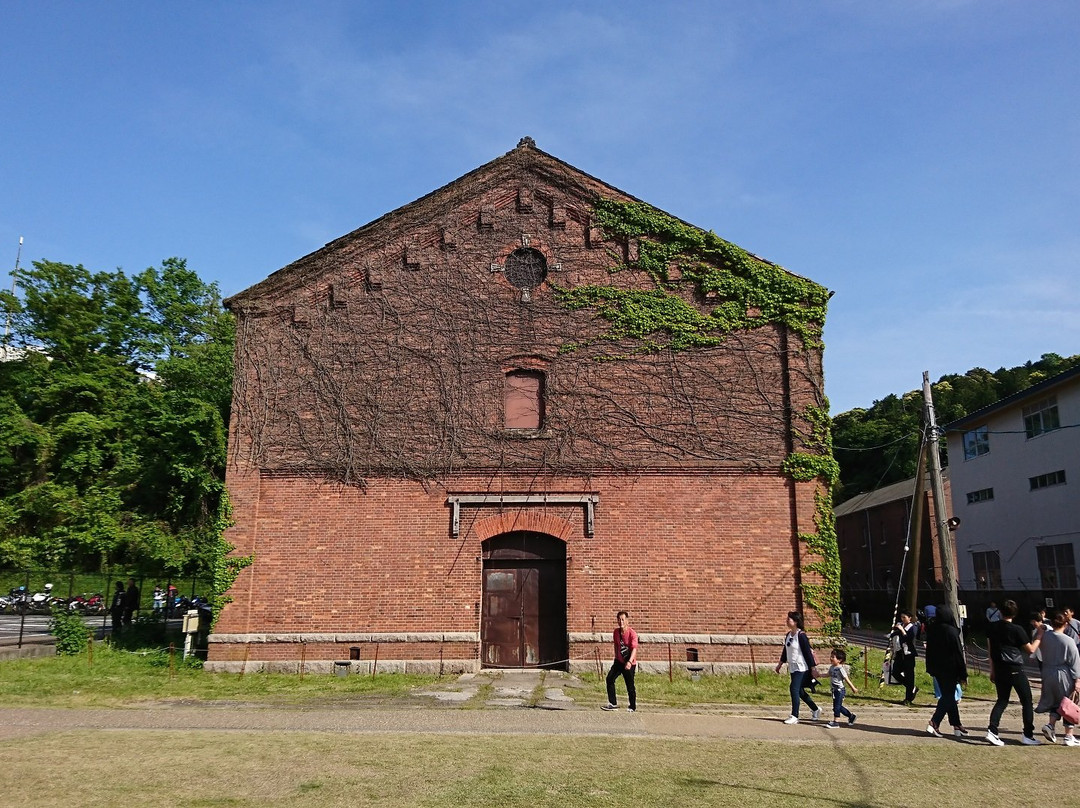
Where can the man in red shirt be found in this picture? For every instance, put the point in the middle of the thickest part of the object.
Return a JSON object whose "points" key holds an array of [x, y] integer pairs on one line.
{"points": [[625, 641]]}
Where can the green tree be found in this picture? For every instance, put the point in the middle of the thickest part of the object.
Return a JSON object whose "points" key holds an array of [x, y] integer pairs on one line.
{"points": [[113, 418]]}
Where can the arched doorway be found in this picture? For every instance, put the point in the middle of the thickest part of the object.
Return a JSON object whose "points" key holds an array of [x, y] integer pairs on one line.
{"points": [[523, 621]]}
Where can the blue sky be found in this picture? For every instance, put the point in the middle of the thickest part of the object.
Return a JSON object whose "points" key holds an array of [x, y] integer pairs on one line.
{"points": [[919, 158]]}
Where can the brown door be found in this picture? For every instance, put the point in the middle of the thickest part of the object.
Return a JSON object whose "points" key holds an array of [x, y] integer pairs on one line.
{"points": [[524, 602]]}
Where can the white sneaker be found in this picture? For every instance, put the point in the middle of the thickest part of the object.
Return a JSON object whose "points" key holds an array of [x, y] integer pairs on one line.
{"points": [[791, 720], [816, 714], [994, 739], [932, 730], [1026, 741], [1071, 740], [609, 707], [631, 709], [1048, 733]]}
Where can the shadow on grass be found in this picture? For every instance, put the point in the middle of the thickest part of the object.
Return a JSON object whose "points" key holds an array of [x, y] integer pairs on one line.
{"points": [[807, 796]]}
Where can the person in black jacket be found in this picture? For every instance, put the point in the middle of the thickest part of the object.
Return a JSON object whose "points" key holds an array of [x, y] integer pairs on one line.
{"points": [[945, 662], [116, 609]]}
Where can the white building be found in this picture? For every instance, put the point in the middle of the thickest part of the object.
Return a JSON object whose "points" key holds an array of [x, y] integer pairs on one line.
{"points": [[1015, 469]]}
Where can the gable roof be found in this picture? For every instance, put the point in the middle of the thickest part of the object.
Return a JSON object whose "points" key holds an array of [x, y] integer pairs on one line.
{"points": [[905, 489], [524, 160], [1034, 391]]}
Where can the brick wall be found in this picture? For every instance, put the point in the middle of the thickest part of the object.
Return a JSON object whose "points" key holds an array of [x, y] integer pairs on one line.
{"points": [[369, 387]]}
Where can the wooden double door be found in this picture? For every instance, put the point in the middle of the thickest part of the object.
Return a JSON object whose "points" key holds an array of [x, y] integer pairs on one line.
{"points": [[523, 621]]}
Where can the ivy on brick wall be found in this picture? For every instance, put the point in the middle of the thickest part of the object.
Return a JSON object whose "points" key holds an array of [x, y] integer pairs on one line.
{"points": [[736, 290], [823, 597], [226, 567]]}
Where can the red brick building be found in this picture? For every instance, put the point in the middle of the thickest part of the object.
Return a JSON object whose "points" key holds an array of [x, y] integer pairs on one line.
{"points": [[467, 433], [872, 530]]}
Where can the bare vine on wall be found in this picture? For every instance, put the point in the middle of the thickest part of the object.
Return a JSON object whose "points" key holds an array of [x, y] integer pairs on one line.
{"points": [[392, 363]]}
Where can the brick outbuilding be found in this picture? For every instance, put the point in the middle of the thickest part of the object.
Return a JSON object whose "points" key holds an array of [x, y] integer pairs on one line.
{"points": [[467, 433]]}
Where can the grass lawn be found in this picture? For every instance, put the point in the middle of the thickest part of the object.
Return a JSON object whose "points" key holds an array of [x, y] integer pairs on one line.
{"points": [[141, 671], [205, 768], [110, 768]]}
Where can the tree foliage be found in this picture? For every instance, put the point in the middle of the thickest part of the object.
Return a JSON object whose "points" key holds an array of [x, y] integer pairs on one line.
{"points": [[114, 405], [880, 445]]}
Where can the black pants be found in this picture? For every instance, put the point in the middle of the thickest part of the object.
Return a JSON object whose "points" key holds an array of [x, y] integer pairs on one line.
{"points": [[905, 672], [618, 669], [1007, 680]]}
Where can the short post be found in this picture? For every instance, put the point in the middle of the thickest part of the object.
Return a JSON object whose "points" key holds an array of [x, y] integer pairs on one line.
{"points": [[90, 652], [440, 661], [303, 657], [375, 663], [670, 665], [865, 666], [172, 655], [599, 669], [190, 628]]}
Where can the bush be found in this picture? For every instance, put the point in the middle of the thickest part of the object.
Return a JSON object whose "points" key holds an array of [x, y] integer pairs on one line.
{"points": [[70, 631]]}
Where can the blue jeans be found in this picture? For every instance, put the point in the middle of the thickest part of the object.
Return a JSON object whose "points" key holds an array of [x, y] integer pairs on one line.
{"points": [[800, 680], [838, 708]]}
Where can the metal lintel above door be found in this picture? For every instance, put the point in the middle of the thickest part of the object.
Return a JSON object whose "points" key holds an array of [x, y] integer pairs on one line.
{"points": [[481, 500]]}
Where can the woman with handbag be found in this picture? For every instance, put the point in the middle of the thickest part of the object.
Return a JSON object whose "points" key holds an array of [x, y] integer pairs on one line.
{"points": [[1009, 645], [1060, 680]]}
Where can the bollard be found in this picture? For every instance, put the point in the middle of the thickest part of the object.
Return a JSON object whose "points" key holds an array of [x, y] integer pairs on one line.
{"points": [[753, 664], [303, 658], [670, 669], [375, 664]]}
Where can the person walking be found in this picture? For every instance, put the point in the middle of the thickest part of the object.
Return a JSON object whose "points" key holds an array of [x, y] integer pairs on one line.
{"points": [[116, 609], [802, 667], [1060, 676], [839, 676], [131, 601], [945, 661], [905, 631], [1008, 645], [625, 640]]}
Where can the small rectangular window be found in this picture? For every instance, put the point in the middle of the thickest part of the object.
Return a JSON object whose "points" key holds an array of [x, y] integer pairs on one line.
{"points": [[1041, 417], [976, 442], [982, 495], [1047, 480], [523, 400]]}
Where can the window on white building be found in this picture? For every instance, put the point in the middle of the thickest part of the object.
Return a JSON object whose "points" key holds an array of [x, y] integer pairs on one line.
{"points": [[1047, 480], [982, 495], [1057, 569], [987, 569], [976, 442], [1042, 416]]}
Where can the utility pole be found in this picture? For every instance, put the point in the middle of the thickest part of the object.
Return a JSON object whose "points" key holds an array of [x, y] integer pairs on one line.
{"points": [[914, 539], [941, 514]]}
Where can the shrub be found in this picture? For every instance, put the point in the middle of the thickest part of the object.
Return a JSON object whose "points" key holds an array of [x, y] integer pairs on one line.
{"points": [[70, 631]]}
